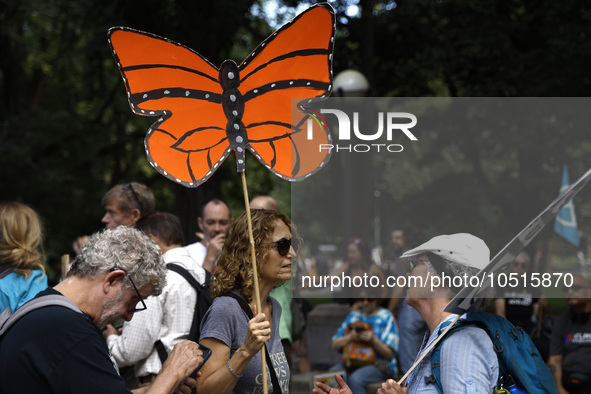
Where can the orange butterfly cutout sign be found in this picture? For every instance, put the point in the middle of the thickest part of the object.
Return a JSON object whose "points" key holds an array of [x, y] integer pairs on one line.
{"points": [[206, 112]]}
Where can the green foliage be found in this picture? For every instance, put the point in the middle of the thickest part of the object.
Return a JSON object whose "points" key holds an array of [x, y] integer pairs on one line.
{"points": [[67, 133]]}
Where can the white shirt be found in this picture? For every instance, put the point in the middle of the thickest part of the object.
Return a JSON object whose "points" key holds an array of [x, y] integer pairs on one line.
{"points": [[197, 251], [168, 317]]}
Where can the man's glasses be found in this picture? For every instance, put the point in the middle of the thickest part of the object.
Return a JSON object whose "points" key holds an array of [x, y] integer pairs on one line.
{"points": [[283, 246], [412, 263], [143, 307], [126, 186]]}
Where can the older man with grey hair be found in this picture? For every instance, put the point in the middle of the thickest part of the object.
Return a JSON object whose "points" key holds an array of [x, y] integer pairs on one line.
{"points": [[57, 349]]}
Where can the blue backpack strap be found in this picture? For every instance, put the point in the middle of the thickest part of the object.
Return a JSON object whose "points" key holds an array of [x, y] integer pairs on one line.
{"points": [[435, 377]]}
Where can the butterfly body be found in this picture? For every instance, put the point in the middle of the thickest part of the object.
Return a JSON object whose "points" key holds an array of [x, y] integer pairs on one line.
{"points": [[233, 106], [206, 112]]}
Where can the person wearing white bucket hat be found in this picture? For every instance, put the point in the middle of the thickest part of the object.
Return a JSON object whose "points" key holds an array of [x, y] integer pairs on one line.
{"points": [[468, 361], [462, 248]]}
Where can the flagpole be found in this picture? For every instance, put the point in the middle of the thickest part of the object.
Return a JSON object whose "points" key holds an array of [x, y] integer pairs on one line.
{"points": [[544, 263], [565, 223], [464, 300]]}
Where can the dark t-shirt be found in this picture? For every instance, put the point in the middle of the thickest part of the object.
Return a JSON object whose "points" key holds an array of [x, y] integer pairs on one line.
{"points": [[57, 350], [571, 337], [519, 305], [227, 322]]}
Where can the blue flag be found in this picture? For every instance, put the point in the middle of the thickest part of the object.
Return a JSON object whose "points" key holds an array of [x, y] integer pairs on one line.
{"points": [[566, 221]]}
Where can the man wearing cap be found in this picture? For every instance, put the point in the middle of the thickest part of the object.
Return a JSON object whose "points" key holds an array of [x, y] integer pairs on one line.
{"points": [[468, 361]]}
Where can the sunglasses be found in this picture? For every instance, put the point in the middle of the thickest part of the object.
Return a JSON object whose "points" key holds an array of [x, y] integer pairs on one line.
{"points": [[412, 263], [143, 307], [283, 246]]}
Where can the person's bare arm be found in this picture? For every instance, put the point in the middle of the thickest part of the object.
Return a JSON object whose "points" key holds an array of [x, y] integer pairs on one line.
{"points": [[555, 365], [214, 248], [339, 343], [384, 350], [216, 376]]}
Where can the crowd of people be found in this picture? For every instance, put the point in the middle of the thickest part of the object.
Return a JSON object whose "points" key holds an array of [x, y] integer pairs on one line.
{"points": [[120, 273]]}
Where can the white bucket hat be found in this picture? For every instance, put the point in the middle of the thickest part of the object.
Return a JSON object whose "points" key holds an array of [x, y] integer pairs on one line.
{"points": [[461, 248]]}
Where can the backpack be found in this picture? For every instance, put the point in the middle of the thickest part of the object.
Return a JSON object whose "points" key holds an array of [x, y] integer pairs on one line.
{"points": [[7, 319], [516, 353], [203, 303]]}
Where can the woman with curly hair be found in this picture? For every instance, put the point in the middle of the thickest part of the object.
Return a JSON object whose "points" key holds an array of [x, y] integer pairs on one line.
{"points": [[22, 274], [235, 339]]}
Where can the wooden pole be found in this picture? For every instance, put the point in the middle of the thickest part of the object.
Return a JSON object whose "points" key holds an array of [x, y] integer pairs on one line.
{"points": [[257, 294], [65, 265]]}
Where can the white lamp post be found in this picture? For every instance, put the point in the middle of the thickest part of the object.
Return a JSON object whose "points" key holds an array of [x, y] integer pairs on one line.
{"points": [[350, 83]]}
